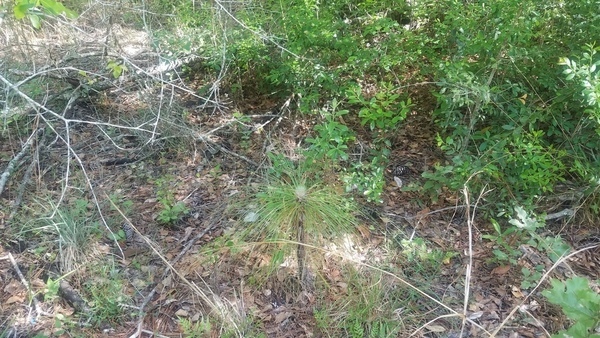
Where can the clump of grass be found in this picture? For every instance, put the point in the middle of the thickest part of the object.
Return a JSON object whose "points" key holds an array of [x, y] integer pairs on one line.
{"points": [[366, 307], [74, 236], [69, 229], [105, 295]]}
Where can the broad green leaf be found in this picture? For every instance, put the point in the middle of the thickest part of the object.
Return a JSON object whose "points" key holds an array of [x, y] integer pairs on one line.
{"points": [[21, 10], [53, 7], [571, 76], [576, 299], [35, 21]]}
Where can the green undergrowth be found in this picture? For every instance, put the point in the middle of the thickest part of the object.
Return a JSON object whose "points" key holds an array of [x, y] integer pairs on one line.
{"points": [[368, 307], [515, 85], [105, 295], [580, 303], [507, 118]]}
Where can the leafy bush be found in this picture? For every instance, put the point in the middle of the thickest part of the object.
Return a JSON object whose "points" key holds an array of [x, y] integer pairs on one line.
{"points": [[523, 229], [171, 210], [504, 111], [35, 10], [367, 179], [332, 137], [383, 112]]}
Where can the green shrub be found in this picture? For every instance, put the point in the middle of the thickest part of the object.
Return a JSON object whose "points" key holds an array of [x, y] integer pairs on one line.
{"points": [[504, 112]]}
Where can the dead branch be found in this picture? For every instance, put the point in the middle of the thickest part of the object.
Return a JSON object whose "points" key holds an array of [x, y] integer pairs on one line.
{"points": [[22, 186], [68, 293], [203, 138], [560, 214], [66, 141], [14, 163]]}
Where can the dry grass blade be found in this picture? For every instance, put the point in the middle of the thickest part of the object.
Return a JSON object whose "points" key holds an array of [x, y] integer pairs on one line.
{"points": [[453, 313]]}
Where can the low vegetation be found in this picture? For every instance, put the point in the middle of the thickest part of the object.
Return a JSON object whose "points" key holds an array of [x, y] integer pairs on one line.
{"points": [[300, 168]]}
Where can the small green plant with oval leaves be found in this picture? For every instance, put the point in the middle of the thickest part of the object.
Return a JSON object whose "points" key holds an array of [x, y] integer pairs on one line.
{"points": [[333, 136], [171, 210]]}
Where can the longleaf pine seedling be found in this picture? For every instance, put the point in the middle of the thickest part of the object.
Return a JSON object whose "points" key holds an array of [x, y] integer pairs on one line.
{"points": [[298, 206]]}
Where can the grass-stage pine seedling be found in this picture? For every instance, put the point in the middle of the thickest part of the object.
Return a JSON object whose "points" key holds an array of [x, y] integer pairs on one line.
{"points": [[295, 205]]}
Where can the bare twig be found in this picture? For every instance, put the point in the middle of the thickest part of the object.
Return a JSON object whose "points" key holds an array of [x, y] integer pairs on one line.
{"points": [[38, 308], [170, 269], [67, 142], [468, 270], [428, 213], [67, 121]]}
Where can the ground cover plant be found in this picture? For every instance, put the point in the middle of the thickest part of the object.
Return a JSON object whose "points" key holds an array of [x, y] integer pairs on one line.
{"points": [[300, 168]]}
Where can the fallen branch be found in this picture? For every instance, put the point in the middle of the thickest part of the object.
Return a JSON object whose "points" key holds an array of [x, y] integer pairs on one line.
{"points": [[225, 150], [24, 182], [68, 293], [563, 213], [12, 165]]}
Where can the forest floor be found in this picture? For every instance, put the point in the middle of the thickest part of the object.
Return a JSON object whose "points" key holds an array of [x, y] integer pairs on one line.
{"points": [[422, 268], [207, 181]]}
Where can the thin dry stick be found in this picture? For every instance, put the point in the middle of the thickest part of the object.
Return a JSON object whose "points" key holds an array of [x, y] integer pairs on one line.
{"points": [[470, 222], [36, 303], [170, 268], [433, 321]]}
